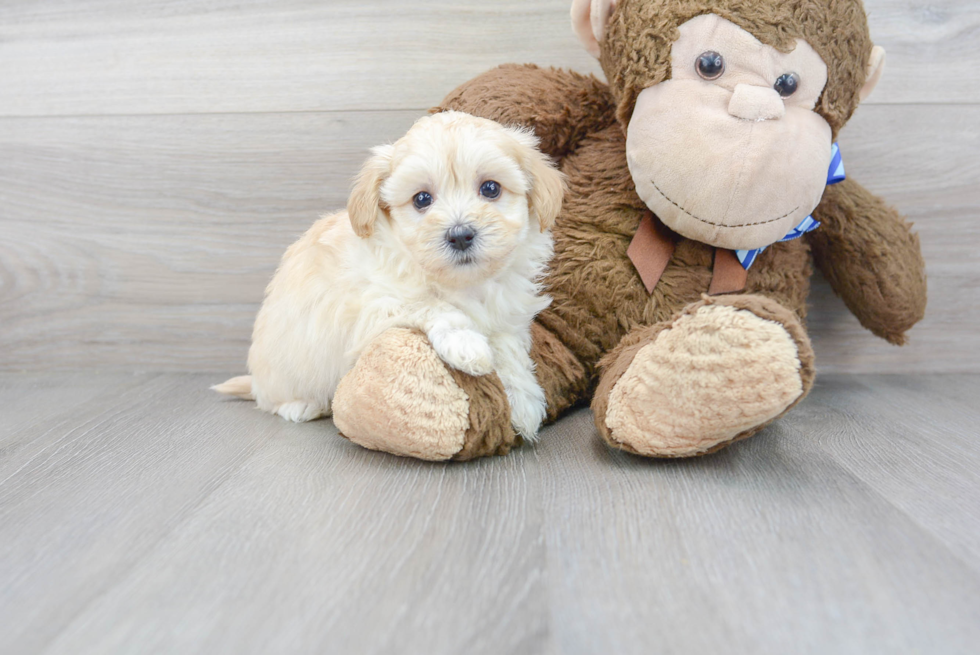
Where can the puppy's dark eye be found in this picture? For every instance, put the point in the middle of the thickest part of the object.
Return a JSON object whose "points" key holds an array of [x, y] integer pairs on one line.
{"points": [[490, 190], [421, 200], [787, 84], [710, 65]]}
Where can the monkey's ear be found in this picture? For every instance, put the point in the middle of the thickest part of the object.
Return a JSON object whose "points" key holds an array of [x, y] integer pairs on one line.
{"points": [[364, 202], [876, 66], [589, 19]]}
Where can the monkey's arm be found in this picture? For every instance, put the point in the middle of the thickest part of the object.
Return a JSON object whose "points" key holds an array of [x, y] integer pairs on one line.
{"points": [[560, 106], [871, 258]]}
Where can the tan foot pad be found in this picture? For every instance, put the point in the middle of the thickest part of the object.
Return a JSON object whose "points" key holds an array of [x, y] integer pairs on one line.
{"points": [[716, 373], [401, 399]]}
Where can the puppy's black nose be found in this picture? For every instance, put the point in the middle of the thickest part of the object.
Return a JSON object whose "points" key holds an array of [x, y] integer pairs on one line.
{"points": [[460, 237]]}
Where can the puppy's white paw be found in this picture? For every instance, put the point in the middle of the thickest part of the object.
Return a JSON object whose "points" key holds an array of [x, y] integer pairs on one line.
{"points": [[527, 412], [465, 350], [299, 411]]}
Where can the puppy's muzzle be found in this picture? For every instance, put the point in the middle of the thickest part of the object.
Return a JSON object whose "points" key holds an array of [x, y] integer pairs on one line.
{"points": [[460, 237]]}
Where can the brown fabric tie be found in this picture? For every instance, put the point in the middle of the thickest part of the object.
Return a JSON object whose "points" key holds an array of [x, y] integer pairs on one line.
{"points": [[651, 250], [728, 275]]}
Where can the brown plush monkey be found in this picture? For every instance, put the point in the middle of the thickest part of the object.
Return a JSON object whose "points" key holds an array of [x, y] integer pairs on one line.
{"points": [[678, 308]]}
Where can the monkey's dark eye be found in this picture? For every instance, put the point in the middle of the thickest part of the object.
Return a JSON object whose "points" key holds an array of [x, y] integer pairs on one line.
{"points": [[421, 200], [787, 84], [490, 190], [710, 65]]}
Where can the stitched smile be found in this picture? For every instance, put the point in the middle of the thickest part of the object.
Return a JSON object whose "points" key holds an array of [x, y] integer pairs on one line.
{"points": [[771, 220]]}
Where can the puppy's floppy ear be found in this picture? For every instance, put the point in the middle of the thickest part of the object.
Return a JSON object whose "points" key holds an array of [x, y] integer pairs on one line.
{"points": [[547, 184], [364, 202]]}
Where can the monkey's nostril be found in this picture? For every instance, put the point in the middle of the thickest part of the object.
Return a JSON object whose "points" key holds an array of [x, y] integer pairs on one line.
{"points": [[460, 237]]}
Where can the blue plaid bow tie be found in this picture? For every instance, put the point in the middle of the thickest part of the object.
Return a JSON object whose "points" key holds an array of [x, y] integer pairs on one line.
{"points": [[834, 175]]}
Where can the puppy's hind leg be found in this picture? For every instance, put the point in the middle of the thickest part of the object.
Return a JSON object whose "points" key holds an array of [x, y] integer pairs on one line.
{"points": [[300, 411], [297, 411]]}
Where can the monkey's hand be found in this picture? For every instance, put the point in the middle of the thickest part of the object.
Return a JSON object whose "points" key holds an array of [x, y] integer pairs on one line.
{"points": [[872, 259], [560, 106]]}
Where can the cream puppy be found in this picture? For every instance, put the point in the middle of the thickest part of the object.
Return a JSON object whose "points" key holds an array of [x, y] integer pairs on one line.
{"points": [[446, 231]]}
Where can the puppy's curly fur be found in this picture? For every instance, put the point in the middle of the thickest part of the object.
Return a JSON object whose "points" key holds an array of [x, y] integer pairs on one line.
{"points": [[389, 261]]}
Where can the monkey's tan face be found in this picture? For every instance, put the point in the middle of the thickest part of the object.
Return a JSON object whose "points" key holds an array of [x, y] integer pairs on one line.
{"points": [[729, 151]]}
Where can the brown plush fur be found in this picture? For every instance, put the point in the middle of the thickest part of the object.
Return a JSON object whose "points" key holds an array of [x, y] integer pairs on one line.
{"points": [[871, 257], [489, 431], [864, 248], [573, 105], [558, 370]]}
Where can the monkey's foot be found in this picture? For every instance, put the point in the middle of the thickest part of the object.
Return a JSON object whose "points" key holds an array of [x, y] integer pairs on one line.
{"points": [[402, 399], [715, 374]]}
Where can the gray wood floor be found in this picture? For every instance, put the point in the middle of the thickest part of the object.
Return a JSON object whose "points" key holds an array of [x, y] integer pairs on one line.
{"points": [[142, 514]]}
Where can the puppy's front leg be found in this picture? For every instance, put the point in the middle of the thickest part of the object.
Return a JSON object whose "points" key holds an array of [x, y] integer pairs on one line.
{"points": [[528, 406], [454, 338]]}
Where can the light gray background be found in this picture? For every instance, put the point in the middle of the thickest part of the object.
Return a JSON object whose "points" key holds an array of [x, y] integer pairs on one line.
{"points": [[159, 156]]}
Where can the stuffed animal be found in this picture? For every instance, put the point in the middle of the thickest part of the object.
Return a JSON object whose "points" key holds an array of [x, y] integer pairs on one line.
{"points": [[704, 184]]}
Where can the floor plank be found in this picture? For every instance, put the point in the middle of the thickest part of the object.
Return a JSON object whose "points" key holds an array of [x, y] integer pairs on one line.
{"points": [[201, 56], [931, 467], [769, 547], [86, 494], [145, 242], [122, 536], [158, 518]]}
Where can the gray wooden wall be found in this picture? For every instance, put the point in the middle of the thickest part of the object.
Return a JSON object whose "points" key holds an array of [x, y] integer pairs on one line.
{"points": [[156, 157]]}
